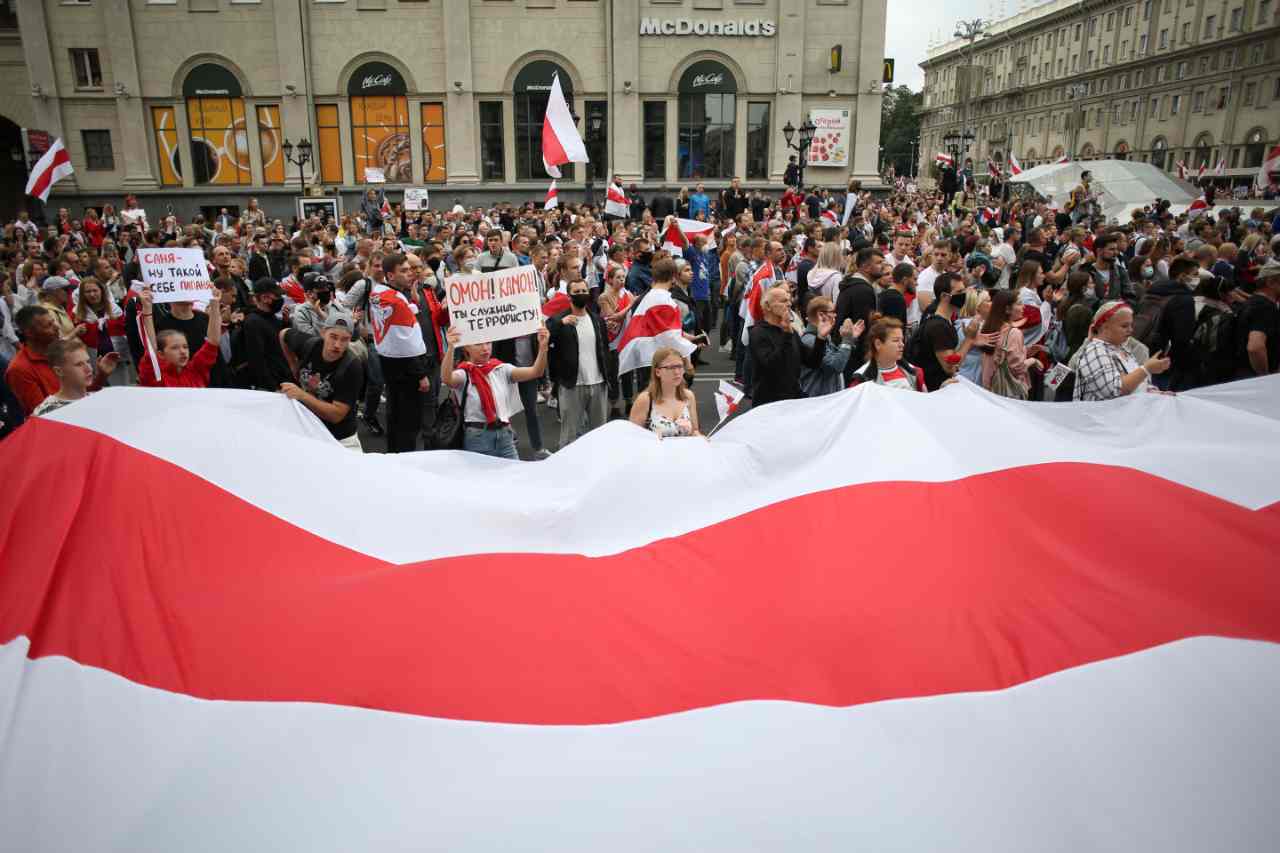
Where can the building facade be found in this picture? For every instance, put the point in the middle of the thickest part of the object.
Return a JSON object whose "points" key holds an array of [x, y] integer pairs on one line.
{"points": [[189, 102], [1161, 81]]}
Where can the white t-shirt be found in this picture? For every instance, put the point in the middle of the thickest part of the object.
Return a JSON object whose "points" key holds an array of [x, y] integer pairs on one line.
{"points": [[588, 368], [1006, 253], [506, 396], [925, 279]]}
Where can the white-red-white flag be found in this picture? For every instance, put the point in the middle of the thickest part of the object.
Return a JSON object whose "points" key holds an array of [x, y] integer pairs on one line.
{"points": [[1203, 167], [654, 323], [1015, 168], [1221, 168], [1182, 170], [943, 159], [552, 200], [750, 310], [560, 140], [616, 202], [48, 170], [1065, 159], [728, 396], [1201, 203], [1269, 165], [690, 228]]}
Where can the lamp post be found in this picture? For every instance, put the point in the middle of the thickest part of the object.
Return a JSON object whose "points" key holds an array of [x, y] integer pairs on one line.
{"points": [[801, 147], [303, 149], [915, 157], [1075, 92], [595, 122]]}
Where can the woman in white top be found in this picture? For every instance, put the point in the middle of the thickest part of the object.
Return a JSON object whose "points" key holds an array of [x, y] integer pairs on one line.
{"points": [[824, 279], [492, 393], [667, 406], [1104, 368]]}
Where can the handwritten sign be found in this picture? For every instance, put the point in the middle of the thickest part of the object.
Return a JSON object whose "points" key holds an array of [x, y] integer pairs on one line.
{"points": [[494, 306], [416, 198], [176, 275], [374, 175]]}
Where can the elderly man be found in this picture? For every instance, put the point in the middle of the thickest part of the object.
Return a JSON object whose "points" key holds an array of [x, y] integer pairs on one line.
{"points": [[778, 352]]}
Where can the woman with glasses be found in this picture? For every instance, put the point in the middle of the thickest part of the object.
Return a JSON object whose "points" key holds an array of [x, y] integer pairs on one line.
{"points": [[667, 406]]}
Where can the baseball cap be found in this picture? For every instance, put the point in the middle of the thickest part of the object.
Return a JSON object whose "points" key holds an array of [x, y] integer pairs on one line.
{"points": [[313, 279], [1268, 270], [55, 282], [266, 285], [338, 320]]}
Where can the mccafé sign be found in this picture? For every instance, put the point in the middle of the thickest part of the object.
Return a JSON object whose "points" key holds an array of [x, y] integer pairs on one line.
{"points": [[688, 27]]}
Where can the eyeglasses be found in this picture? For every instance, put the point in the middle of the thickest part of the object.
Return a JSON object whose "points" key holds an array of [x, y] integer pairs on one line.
{"points": [[678, 368]]}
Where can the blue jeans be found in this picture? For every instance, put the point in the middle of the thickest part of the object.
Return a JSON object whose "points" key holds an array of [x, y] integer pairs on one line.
{"points": [[490, 442]]}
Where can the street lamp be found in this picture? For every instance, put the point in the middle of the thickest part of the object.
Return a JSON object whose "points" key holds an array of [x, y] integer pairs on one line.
{"points": [[595, 123], [807, 129], [303, 149], [915, 157]]}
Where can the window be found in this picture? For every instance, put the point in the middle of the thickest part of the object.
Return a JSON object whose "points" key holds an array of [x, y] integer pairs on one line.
{"points": [[1210, 26], [1174, 104], [1077, 32], [1255, 148], [1160, 74], [1093, 25], [532, 91], [1146, 10], [330, 144], [1224, 97], [1155, 108], [493, 165], [655, 140], [1182, 70], [1186, 33], [1204, 65], [87, 69], [269, 141], [1159, 149], [1275, 94], [380, 123], [434, 165], [1106, 54], [97, 150], [1237, 19], [1164, 39], [1142, 45], [1229, 59], [758, 140], [1197, 102], [219, 147], [1250, 92], [1133, 110], [1111, 20], [1075, 63], [1264, 11], [706, 129], [1088, 63], [1128, 15], [164, 125]]}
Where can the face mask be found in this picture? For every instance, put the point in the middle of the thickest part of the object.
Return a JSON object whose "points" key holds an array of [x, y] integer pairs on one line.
{"points": [[579, 300], [1190, 280], [958, 299], [276, 305], [323, 297], [1148, 272], [434, 263], [644, 257]]}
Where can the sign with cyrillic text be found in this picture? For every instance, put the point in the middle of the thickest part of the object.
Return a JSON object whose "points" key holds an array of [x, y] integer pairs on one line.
{"points": [[494, 306], [176, 275], [417, 198]]}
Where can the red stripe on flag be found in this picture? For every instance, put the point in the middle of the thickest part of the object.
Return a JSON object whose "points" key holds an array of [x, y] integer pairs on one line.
{"points": [[655, 320], [46, 178], [185, 587], [552, 151], [556, 304]]}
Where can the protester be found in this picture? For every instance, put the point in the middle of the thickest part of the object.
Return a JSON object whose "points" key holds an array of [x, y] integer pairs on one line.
{"points": [[402, 352], [828, 377], [77, 373], [1258, 325], [885, 364], [1106, 369], [778, 353], [667, 407], [178, 368], [328, 376], [1005, 362], [490, 393], [267, 368], [578, 342]]}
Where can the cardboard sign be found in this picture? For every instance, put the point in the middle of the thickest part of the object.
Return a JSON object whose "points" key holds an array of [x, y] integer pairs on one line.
{"points": [[417, 199], [830, 146], [374, 175], [494, 306], [176, 275]]}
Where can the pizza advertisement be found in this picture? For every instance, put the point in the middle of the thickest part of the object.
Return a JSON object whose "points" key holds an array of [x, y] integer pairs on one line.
{"points": [[830, 145]]}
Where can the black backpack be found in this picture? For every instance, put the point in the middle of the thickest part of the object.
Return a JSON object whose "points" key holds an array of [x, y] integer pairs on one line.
{"points": [[1214, 344], [449, 427], [1146, 320]]}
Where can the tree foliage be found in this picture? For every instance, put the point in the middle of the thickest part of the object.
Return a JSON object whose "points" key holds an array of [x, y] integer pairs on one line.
{"points": [[899, 125]]}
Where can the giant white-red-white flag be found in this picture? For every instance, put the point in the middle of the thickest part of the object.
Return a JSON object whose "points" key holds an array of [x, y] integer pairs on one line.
{"points": [[690, 228], [548, 684], [52, 167], [560, 140], [652, 324], [553, 199], [616, 202]]}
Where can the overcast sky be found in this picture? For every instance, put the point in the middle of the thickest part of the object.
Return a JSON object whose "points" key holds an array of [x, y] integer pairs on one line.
{"points": [[912, 23]]}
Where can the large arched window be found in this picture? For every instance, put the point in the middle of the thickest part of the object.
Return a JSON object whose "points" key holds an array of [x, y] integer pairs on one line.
{"points": [[708, 111], [215, 117], [380, 122], [1159, 149], [532, 90], [1255, 148]]}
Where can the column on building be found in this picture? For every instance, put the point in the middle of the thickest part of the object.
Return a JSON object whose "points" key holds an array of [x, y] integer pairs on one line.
{"points": [[626, 115], [130, 111], [462, 136], [864, 164], [295, 109], [47, 106]]}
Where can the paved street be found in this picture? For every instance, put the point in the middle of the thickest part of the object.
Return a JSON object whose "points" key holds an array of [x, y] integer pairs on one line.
{"points": [[718, 366]]}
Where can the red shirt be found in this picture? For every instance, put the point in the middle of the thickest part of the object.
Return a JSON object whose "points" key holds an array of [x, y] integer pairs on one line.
{"points": [[31, 378], [194, 375]]}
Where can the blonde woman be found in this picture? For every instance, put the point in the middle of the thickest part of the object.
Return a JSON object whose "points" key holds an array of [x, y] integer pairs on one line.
{"points": [[667, 407], [826, 275], [976, 304]]}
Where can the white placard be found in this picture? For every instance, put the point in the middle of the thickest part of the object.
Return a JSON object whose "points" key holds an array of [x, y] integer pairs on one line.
{"points": [[176, 275], [494, 306], [374, 175], [830, 146], [416, 198]]}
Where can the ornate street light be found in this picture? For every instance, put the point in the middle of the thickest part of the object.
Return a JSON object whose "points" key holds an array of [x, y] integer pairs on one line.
{"points": [[807, 129], [303, 149]]}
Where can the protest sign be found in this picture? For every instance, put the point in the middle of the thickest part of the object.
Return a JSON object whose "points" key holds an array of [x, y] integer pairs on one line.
{"points": [[374, 175], [176, 275], [416, 198], [494, 306]]}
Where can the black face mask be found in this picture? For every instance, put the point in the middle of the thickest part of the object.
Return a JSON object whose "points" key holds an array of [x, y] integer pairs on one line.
{"points": [[323, 297], [275, 305], [958, 299], [579, 300], [644, 257], [434, 263]]}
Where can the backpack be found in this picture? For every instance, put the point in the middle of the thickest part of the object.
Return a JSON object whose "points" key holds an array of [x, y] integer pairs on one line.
{"points": [[1146, 320], [1213, 343], [447, 432], [1056, 341]]}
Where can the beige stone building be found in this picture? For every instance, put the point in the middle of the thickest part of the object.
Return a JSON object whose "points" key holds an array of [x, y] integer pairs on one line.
{"points": [[189, 102], [1160, 81]]}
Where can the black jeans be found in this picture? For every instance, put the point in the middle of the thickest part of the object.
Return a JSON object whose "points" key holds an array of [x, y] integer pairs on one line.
{"points": [[404, 404], [529, 399], [372, 383], [620, 387]]}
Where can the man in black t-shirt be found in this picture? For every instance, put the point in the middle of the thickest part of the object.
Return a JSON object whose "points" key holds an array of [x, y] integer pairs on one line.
{"points": [[329, 377], [1258, 326]]}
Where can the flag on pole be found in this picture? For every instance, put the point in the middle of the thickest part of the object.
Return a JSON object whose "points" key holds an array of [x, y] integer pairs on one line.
{"points": [[552, 200], [1182, 170], [654, 323], [943, 159], [1221, 168], [1270, 164], [690, 228], [560, 140], [849, 199], [728, 396], [1203, 168], [48, 170], [992, 169], [1015, 168], [616, 202]]}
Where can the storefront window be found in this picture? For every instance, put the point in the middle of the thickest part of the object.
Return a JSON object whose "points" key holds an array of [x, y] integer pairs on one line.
{"points": [[1255, 149], [493, 164], [329, 144], [215, 117], [434, 169], [707, 111], [655, 140], [164, 123], [380, 122], [1158, 150], [269, 140], [758, 140], [532, 89]]}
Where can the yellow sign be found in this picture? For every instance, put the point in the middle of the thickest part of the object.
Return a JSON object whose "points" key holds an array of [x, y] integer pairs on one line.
{"points": [[837, 54], [888, 71]]}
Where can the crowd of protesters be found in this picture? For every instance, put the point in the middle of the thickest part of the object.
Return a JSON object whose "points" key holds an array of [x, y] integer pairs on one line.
{"points": [[910, 290]]}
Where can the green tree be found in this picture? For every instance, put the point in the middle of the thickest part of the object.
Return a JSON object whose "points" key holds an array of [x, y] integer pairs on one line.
{"points": [[899, 126]]}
